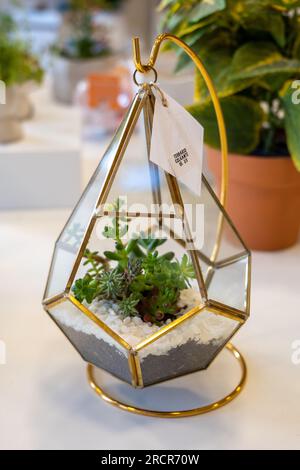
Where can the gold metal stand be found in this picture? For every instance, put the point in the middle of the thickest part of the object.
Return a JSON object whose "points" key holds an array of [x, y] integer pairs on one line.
{"points": [[174, 414]]}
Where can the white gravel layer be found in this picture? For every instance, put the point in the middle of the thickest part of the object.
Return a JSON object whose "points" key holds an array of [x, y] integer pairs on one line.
{"points": [[203, 328]]}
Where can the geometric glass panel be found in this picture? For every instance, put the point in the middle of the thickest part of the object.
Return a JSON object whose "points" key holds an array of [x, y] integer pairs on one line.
{"points": [[228, 284], [70, 239], [92, 342], [187, 348]]}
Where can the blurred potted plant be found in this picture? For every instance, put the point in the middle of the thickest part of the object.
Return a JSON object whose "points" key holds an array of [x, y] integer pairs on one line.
{"points": [[17, 68], [251, 48], [81, 48]]}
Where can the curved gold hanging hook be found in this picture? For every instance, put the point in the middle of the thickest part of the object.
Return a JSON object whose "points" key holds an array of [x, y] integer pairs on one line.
{"points": [[144, 68]]}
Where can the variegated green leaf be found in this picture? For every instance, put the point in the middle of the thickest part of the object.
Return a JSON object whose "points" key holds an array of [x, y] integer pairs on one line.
{"points": [[243, 119], [292, 120], [285, 4], [296, 45], [188, 28], [205, 8], [243, 8], [256, 59], [164, 3], [218, 61], [264, 20], [183, 58]]}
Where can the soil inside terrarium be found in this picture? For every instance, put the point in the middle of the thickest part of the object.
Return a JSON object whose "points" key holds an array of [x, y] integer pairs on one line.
{"points": [[99, 353], [187, 348], [181, 360], [184, 359]]}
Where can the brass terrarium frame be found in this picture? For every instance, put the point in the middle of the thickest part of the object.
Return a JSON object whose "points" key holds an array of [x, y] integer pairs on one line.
{"points": [[144, 100]]}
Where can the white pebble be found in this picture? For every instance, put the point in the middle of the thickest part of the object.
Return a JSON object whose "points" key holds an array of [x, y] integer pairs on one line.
{"points": [[203, 328]]}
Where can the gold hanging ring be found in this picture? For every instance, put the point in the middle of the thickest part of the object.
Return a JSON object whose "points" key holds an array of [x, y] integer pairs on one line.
{"points": [[150, 68]]}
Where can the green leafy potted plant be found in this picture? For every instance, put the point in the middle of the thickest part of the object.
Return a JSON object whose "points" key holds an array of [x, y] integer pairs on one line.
{"points": [[251, 48], [81, 48], [17, 68]]}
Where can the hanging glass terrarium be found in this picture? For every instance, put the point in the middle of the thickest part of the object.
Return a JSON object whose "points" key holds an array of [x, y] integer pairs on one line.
{"points": [[149, 280]]}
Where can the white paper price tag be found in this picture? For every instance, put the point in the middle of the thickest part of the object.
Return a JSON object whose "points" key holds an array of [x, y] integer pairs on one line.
{"points": [[177, 142]]}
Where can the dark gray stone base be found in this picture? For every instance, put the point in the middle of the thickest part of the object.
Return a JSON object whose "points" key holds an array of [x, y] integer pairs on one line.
{"points": [[182, 360], [99, 353]]}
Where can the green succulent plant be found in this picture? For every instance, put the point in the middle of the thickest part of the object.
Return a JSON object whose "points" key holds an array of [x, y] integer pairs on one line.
{"points": [[141, 281], [17, 64], [251, 48]]}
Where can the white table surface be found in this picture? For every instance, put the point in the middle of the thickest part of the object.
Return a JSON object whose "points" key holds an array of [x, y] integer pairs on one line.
{"points": [[45, 401]]}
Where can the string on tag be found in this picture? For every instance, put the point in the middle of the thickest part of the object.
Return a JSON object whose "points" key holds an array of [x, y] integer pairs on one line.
{"points": [[152, 84], [162, 95]]}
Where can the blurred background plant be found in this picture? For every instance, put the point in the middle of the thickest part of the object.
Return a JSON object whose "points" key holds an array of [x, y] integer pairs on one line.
{"points": [[251, 48], [17, 64], [18, 68], [79, 38]]}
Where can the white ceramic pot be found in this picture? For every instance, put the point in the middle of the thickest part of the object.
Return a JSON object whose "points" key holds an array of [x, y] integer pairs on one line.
{"points": [[25, 109], [10, 126], [68, 73]]}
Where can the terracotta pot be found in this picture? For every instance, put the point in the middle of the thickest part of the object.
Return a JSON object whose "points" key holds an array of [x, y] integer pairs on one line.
{"points": [[263, 198]]}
